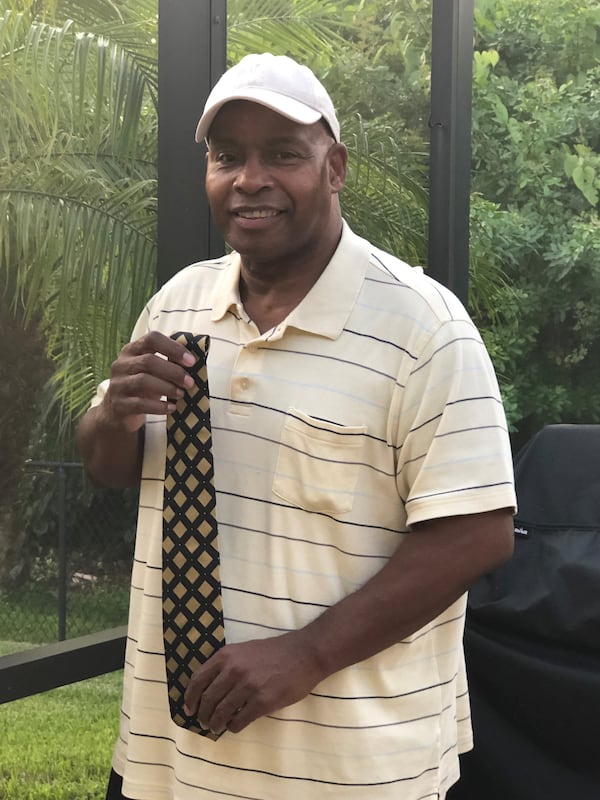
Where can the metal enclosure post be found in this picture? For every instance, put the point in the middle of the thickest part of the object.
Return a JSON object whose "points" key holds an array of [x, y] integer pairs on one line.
{"points": [[191, 56], [450, 143], [61, 499]]}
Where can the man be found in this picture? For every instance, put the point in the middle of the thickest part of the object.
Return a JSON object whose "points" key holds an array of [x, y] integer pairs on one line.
{"points": [[363, 478]]}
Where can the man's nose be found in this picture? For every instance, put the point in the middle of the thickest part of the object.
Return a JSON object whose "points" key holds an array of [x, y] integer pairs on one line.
{"points": [[253, 175]]}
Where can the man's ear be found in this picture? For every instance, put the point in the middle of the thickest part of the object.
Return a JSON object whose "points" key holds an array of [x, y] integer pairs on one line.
{"points": [[337, 159]]}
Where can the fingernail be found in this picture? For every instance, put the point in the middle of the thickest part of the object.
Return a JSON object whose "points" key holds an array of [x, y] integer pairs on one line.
{"points": [[188, 359], [188, 381]]}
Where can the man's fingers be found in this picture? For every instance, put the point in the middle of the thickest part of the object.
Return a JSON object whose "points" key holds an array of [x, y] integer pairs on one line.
{"points": [[240, 719], [156, 342], [213, 697], [136, 365], [167, 381], [148, 377], [199, 682], [217, 717], [219, 693], [135, 406]]}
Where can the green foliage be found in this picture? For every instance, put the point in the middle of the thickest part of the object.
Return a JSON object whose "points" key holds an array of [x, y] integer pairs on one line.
{"points": [[384, 199], [583, 167], [539, 34], [77, 182], [536, 157], [304, 29], [78, 88], [100, 523], [388, 68]]}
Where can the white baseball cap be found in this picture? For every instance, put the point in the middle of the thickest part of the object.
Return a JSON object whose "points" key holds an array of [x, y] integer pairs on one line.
{"points": [[277, 82]]}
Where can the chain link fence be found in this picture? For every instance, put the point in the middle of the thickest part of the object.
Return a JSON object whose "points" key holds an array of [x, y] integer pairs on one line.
{"points": [[75, 558]]}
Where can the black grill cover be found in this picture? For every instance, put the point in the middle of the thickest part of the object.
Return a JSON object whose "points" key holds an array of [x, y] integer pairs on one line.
{"points": [[532, 638]]}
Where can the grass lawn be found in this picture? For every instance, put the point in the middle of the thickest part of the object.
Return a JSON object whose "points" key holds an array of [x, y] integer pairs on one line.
{"points": [[58, 745]]}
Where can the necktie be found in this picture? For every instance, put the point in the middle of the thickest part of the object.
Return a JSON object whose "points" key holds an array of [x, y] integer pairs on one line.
{"points": [[192, 608]]}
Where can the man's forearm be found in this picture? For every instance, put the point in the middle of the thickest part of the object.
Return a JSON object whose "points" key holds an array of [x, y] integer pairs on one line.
{"points": [[112, 455], [432, 568]]}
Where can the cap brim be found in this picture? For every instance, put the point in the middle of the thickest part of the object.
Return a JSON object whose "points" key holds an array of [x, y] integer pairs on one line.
{"points": [[286, 106]]}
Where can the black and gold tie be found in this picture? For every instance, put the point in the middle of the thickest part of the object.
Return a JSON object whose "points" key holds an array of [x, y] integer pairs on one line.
{"points": [[192, 606]]}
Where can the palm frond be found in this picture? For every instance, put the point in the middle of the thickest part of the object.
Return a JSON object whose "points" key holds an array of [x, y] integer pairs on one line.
{"points": [[90, 300], [382, 200], [77, 191], [308, 29], [131, 26], [64, 85]]}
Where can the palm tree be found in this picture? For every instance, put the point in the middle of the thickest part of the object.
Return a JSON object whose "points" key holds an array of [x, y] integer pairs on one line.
{"points": [[77, 182], [77, 213]]}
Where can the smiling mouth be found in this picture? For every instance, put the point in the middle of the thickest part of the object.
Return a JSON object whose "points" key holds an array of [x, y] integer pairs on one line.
{"points": [[258, 214]]}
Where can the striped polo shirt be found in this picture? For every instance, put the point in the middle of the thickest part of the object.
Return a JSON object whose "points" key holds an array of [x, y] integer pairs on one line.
{"points": [[372, 406]]}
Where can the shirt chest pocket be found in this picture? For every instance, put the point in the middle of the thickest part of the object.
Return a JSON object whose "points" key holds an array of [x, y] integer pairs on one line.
{"points": [[318, 463]]}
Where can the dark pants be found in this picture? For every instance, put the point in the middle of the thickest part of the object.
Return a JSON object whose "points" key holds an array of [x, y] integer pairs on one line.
{"points": [[115, 786]]}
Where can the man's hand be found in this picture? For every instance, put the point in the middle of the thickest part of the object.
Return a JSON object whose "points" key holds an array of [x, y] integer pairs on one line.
{"points": [[148, 375], [242, 682], [146, 371]]}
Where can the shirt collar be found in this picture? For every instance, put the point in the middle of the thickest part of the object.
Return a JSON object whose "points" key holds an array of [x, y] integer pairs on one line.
{"points": [[327, 306], [226, 293]]}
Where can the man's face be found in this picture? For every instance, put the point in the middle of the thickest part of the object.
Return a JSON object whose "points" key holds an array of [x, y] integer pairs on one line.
{"points": [[271, 184]]}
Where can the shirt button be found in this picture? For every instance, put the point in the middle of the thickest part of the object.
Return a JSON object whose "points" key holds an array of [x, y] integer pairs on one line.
{"points": [[244, 383]]}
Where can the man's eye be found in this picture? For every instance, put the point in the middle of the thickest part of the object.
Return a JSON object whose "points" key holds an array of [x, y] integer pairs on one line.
{"points": [[286, 155], [225, 158]]}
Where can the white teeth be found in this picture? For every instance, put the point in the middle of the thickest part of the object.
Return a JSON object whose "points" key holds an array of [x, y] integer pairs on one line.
{"points": [[258, 214]]}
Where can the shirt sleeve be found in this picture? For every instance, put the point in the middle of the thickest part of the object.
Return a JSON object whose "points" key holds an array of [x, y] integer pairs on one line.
{"points": [[455, 455]]}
